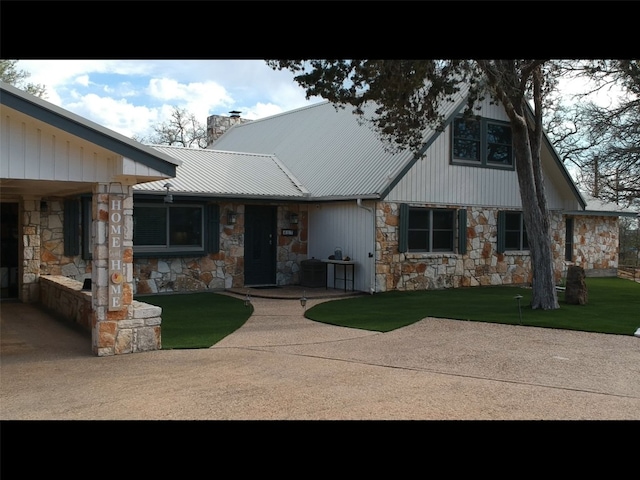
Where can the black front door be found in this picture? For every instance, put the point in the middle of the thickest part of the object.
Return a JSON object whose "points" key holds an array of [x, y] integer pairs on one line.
{"points": [[260, 223]]}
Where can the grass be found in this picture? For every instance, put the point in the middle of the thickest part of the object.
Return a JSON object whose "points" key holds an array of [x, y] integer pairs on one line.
{"points": [[613, 307], [198, 320]]}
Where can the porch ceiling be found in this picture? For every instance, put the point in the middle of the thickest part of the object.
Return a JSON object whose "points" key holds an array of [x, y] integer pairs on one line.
{"points": [[16, 188]]}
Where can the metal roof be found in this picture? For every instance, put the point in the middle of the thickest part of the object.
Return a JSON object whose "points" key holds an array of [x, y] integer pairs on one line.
{"points": [[331, 151], [227, 174], [596, 206]]}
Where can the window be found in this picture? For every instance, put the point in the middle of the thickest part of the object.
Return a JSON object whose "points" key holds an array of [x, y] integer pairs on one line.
{"points": [[512, 234], [481, 142], [185, 229], [431, 230]]}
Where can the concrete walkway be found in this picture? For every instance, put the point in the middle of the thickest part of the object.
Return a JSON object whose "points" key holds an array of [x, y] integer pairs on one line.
{"points": [[280, 365]]}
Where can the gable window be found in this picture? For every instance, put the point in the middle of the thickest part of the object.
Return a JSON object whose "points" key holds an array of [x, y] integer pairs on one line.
{"points": [[430, 230], [481, 142], [184, 229], [512, 233]]}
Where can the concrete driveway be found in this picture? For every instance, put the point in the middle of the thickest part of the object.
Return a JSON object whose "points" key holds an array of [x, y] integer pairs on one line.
{"points": [[280, 365]]}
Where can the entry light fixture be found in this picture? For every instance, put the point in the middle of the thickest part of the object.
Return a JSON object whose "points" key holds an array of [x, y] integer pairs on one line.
{"points": [[232, 218], [168, 198], [293, 218]]}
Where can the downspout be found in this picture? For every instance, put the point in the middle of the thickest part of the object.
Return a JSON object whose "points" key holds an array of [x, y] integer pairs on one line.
{"points": [[372, 255]]}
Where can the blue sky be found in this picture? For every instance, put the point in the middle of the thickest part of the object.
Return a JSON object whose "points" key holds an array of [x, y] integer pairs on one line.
{"points": [[130, 96]]}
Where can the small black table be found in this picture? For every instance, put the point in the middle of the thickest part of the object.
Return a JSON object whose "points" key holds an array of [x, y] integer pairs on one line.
{"points": [[344, 264]]}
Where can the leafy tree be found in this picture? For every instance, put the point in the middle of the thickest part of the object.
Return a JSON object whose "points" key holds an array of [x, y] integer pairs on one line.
{"points": [[408, 94], [10, 74], [181, 129]]}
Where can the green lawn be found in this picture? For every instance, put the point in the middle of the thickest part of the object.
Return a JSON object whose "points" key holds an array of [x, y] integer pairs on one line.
{"points": [[199, 320], [613, 307]]}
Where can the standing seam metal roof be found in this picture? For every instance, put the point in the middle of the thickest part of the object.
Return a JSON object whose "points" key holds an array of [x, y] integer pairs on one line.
{"points": [[329, 150], [214, 172]]}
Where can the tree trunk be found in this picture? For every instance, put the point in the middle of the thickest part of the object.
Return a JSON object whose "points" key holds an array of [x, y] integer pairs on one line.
{"points": [[536, 219]]}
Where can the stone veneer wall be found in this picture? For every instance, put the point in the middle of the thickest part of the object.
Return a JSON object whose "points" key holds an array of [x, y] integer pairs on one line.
{"points": [[595, 249], [52, 258], [29, 255], [65, 298], [224, 269]]}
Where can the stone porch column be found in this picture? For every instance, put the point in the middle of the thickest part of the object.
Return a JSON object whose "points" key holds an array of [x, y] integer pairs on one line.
{"points": [[29, 250], [119, 325]]}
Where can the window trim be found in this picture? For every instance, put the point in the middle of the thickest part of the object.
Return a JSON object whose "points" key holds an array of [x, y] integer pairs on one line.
{"points": [[167, 248], [458, 230], [211, 230], [482, 162], [502, 230]]}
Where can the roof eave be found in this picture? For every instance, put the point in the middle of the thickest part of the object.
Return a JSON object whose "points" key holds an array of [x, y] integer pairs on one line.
{"points": [[81, 127]]}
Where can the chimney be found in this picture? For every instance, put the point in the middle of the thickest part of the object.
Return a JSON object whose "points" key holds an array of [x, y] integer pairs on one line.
{"points": [[235, 114]]}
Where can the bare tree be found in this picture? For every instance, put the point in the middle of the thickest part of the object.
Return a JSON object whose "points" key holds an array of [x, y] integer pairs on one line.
{"points": [[182, 129], [602, 141]]}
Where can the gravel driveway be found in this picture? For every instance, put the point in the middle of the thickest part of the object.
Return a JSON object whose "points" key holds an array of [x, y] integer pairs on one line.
{"points": [[280, 366]]}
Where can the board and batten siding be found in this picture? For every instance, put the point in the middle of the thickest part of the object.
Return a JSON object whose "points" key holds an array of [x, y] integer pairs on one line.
{"points": [[434, 180], [350, 227], [32, 150]]}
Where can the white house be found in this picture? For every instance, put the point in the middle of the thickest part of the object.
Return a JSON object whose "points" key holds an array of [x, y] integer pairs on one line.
{"points": [[81, 202]]}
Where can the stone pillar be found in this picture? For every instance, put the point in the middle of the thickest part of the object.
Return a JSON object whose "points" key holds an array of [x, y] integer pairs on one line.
{"points": [[119, 325], [29, 250]]}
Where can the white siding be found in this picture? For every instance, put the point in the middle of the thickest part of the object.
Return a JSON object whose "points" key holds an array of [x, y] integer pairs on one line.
{"points": [[433, 179], [33, 151], [349, 227]]}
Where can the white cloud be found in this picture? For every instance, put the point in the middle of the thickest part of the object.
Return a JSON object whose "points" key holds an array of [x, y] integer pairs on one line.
{"points": [[133, 95], [117, 115], [82, 80]]}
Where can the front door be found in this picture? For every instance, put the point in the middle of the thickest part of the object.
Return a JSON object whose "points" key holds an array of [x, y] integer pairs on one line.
{"points": [[260, 223]]}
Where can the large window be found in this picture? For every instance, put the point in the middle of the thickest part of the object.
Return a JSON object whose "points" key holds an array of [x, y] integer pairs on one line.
{"points": [[175, 228], [431, 229], [481, 142], [512, 233]]}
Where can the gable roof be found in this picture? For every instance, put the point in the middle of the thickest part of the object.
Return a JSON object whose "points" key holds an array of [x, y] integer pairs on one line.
{"points": [[51, 114], [226, 174], [334, 153]]}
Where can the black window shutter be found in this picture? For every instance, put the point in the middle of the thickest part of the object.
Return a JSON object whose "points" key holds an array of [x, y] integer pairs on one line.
{"points": [[501, 232], [87, 251], [71, 228], [462, 231], [212, 222], [403, 228]]}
